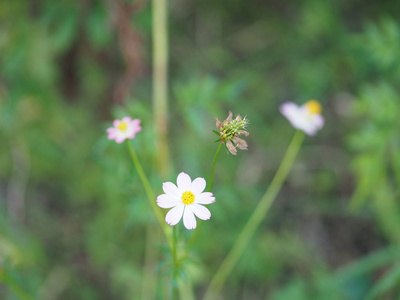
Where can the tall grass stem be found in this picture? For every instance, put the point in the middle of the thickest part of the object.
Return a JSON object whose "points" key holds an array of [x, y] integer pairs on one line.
{"points": [[160, 82]]}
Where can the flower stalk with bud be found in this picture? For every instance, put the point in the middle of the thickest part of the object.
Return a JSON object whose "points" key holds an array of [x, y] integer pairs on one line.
{"points": [[308, 120]]}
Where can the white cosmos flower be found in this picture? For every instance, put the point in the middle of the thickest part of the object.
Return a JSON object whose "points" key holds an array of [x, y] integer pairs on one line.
{"points": [[306, 117], [185, 200]]}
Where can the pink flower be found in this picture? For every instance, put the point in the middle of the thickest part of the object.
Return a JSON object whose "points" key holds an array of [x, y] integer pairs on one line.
{"points": [[124, 129]]}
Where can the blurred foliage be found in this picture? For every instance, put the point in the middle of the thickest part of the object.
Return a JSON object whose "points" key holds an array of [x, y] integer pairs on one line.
{"points": [[73, 215]]}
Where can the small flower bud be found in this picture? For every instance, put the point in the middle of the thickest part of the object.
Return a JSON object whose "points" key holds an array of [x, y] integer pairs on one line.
{"points": [[229, 131]]}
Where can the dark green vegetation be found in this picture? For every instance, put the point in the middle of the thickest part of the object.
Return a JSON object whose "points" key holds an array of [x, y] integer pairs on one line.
{"points": [[73, 215]]}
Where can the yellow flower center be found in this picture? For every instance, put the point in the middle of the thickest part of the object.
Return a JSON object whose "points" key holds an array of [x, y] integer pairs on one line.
{"points": [[314, 107], [187, 198], [122, 126]]}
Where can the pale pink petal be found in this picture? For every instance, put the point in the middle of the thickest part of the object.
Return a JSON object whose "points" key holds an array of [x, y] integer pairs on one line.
{"points": [[229, 118], [167, 201], [131, 129], [289, 110], [127, 120], [295, 114], [121, 134], [200, 211], [171, 189], [204, 198], [174, 215], [231, 147], [188, 219], [184, 182], [310, 130], [136, 125], [110, 129], [318, 121], [119, 139], [116, 123], [111, 133], [312, 123], [198, 185], [136, 129], [130, 134]]}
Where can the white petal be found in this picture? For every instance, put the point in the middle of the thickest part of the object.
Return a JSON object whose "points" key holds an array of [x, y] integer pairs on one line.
{"points": [[126, 120], [204, 198], [200, 211], [188, 219], [120, 135], [174, 215], [294, 114], [318, 121], [289, 110], [167, 201], [198, 185], [184, 182], [310, 130], [130, 133], [309, 127], [171, 189]]}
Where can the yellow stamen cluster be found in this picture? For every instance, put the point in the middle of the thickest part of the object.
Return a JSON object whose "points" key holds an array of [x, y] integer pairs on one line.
{"points": [[314, 107], [122, 126], [187, 197]]}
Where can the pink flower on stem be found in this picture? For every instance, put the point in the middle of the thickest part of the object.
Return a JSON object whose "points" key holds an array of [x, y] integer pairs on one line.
{"points": [[123, 129]]}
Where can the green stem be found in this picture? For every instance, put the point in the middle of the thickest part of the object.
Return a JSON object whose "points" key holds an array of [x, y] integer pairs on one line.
{"points": [[149, 192], [160, 81], [175, 263], [149, 281], [258, 215], [14, 286], [210, 181]]}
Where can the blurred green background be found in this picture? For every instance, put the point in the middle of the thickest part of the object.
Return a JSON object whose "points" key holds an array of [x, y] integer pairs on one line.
{"points": [[74, 220]]}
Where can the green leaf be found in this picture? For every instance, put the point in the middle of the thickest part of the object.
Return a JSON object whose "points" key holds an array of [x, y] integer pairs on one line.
{"points": [[389, 281]]}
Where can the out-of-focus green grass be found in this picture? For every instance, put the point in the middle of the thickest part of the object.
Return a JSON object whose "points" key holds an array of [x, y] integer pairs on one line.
{"points": [[73, 214]]}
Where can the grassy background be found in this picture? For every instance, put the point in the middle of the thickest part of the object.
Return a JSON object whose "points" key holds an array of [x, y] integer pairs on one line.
{"points": [[73, 215]]}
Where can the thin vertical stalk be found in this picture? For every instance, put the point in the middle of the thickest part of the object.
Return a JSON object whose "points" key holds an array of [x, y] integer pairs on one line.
{"points": [[12, 284], [160, 87], [211, 179], [175, 270], [149, 281], [160, 82], [259, 213]]}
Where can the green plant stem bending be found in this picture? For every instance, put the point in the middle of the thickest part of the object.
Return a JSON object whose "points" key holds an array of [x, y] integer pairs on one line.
{"points": [[259, 213]]}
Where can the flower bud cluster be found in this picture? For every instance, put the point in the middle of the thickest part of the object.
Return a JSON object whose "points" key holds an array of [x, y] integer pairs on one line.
{"points": [[229, 131]]}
